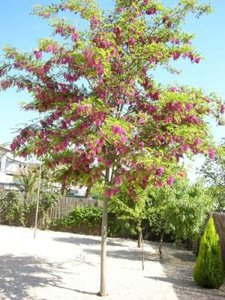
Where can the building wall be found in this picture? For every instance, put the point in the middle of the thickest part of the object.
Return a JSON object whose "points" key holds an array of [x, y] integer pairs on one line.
{"points": [[11, 166]]}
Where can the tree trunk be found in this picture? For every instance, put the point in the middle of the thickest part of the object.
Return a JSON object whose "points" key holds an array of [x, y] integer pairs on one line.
{"points": [[63, 190], [160, 244], [139, 230], [88, 191], [103, 291], [143, 253]]}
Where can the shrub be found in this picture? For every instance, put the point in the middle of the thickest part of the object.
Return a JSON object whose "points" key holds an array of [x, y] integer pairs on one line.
{"points": [[11, 211], [86, 220], [208, 272]]}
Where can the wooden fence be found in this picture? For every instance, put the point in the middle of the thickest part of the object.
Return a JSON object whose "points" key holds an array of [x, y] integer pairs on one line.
{"points": [[220, 226], [68, 204]]}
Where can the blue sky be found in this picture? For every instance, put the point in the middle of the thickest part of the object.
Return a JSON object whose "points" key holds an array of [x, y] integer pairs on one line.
{"points": [[20, 29]]}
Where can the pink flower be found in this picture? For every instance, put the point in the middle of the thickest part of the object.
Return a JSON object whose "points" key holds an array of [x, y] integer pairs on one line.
{"points": [[118, 130], [38, 54], [124, 139], [141, 121], [59, 29], [222, 109], [13, 146], [184, 148], [111, 192], [117, 31], [89, 55], [145, 2], [151, 11], [175, 55], [188, 106], [131, 41], [108, 163], [197, 141], [193, 119], [212, 153], [75, 36], [105, 44], [94, 22], [52, 48], [155, 96], [197, 60], [170, 180], [118, 180], [160, 171], [100, 69], [152, 60], [70, 77]]}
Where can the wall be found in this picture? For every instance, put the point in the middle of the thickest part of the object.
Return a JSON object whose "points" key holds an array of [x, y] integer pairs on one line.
{"points": [[220, 226]]}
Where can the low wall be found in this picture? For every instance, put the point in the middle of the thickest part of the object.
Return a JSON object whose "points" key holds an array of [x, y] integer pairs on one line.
{"points": [[219, 219]]}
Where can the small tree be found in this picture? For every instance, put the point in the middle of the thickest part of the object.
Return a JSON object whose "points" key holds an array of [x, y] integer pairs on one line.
{"points": [[208, 270], [179, 210], [213, 172], [27, 182], [132, 210]]}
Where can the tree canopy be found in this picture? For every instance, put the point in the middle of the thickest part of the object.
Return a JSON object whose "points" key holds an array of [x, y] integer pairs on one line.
{"points": [[99, 105]]}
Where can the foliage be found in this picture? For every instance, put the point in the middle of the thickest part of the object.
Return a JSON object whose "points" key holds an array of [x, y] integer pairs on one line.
{"points": [[208, 270], [86, 220], [97, 191], [10, 209], [126, 207], [179, 210], [130, 210], [15, 210], [27, 181], [213, 171]]}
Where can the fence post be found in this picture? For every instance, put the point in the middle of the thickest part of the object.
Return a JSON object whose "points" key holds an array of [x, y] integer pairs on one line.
{"points": [[37, 203]]}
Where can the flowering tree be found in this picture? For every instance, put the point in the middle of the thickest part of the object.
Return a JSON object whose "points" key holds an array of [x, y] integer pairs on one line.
{"points": [[102, 116]]}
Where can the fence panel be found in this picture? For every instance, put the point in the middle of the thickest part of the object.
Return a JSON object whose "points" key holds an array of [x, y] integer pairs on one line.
{"points": [[68, 204]]}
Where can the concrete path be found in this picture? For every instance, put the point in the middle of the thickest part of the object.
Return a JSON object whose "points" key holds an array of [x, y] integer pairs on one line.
{"points": [[65, 266]]}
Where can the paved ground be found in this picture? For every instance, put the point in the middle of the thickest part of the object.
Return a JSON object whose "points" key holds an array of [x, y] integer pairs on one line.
{"points": [[65, 266]]}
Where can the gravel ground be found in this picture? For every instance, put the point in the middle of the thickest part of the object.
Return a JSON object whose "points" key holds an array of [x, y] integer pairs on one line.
{"points": [[65, 266]]}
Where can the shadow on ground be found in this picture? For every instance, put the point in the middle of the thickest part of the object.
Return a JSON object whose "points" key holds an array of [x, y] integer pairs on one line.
{"points": [[178, 268], [19, 274], [85, 241], [134, 255]]}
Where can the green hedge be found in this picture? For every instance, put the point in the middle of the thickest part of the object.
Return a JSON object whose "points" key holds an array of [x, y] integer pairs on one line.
{"points": [[87, 220]]}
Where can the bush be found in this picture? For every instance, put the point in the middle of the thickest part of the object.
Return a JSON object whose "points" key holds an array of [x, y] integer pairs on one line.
{"points": [[179, 211], [17, 212], [86, 220], [208, 272], [11, 211]]}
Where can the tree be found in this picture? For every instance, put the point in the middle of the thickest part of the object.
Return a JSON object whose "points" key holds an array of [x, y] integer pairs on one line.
{"points": [[208, 270], [27, 181], [102, 115], [180, 211], [213, 171], [129, 209]]}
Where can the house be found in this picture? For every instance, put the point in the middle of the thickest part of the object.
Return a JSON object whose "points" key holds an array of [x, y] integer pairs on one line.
{"points": [[10, 166]]}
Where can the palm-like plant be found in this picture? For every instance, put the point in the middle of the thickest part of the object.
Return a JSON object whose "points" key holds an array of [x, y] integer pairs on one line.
{"points": [[27, 180]]}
